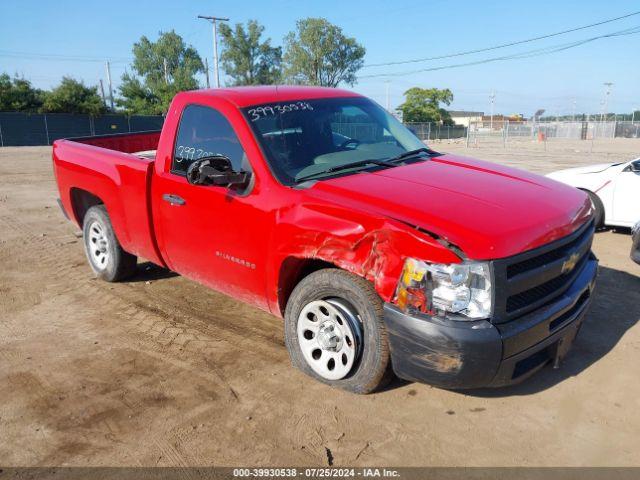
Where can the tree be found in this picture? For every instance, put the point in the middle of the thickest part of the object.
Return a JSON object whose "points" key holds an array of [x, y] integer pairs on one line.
{"points": [[160, 70], [18, 95], [318, 53], [246, 59], [72, 96], [136, 98], [423, 105]]}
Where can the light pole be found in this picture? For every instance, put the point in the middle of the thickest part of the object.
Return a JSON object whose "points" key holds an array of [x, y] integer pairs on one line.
{"points": [[213, 20], [492, 98], [607, 92]]}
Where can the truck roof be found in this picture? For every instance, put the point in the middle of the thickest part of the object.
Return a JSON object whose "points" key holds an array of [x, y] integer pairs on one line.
{"points": [[247, 96]]}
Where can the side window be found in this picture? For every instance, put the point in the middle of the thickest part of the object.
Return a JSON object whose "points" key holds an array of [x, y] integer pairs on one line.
{"points": [[633, 167], [204, 131]]}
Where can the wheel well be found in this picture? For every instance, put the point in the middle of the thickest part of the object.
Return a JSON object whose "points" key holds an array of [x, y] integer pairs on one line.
{"points": [[589, 192], [592, 194], [81, 201], [292, 271]]}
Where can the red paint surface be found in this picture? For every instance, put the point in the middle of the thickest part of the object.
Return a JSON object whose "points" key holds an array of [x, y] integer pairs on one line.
{"points": [[253, 246]]}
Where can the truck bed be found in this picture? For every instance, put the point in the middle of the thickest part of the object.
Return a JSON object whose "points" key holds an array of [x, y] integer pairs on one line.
{"points": [[117, 169], [122, 142]]}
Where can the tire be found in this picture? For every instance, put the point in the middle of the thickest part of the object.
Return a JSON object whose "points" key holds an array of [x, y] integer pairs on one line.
{"points": [[106, 257], [599, 210], [354, 312]]}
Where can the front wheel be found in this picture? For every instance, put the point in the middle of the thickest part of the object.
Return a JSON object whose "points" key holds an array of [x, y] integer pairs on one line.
{"points": [[105, 254], [335, 333]]}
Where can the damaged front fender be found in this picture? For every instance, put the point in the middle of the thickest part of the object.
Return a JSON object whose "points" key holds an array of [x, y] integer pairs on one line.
{"points": [[372, 247]]}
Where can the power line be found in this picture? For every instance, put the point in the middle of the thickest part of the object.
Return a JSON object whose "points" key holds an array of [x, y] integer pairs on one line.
{"points": [[527, 54], [504, 45]]}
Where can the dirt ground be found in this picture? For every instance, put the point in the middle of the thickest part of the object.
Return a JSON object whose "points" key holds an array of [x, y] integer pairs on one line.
{"points": [[159, 371]]}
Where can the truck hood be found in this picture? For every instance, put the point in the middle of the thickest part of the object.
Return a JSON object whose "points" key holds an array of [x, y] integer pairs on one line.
{"points": [[487, 210]]}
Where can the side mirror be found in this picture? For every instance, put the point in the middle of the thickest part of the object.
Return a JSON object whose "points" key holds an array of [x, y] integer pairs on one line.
{"points": [[216, 170]]}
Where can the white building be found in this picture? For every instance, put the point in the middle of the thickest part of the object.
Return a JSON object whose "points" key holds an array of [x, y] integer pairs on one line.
{"points": [[461, 117]]}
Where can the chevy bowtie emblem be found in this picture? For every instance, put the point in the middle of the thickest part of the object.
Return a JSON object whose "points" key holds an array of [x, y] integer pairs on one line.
{"points": [[570, 263]]}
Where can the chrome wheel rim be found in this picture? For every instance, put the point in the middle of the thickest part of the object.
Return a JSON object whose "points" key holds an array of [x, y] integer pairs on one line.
{"points": [[330, 337], [98, 245]]}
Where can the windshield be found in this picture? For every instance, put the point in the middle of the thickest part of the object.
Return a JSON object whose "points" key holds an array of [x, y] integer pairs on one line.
{"points": [[304, 138]]}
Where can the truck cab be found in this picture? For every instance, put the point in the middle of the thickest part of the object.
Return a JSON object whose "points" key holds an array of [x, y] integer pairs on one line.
{"points": [[318, 206]]}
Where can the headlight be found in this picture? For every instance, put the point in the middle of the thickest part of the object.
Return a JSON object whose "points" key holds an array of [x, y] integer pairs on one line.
{"points": [[463, 289]]}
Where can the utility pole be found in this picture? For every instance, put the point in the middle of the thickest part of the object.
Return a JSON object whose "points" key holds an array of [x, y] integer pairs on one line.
{"points": [[606, 98], [110, 85], [492, 99], [573, 111], [206, 70], [633, 116], [388, 104], [213, 20], [104, 100]]}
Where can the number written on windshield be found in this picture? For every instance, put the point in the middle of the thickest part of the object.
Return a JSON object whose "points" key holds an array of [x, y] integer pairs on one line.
{"points": [[268, 110]]}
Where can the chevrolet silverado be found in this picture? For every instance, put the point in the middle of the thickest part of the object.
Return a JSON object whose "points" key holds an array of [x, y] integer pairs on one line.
{"points": [[318, 206]]}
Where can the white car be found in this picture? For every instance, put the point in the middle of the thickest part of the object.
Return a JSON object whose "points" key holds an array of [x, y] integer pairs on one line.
{"points": [[614, 189]]}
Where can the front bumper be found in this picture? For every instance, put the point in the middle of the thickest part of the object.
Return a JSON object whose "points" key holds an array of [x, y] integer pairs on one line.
{"points": [[479, 354]]}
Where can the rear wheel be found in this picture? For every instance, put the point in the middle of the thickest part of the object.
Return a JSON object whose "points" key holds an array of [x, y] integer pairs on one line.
{"points": [[598, 207], [105, 254], [335, 332]]}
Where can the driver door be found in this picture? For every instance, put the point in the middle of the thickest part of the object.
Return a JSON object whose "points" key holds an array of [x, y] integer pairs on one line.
{"points": [[208, 233], [626, 195]]}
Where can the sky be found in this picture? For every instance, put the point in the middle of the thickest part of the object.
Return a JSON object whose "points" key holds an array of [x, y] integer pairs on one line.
{"points": [[44, 40]]}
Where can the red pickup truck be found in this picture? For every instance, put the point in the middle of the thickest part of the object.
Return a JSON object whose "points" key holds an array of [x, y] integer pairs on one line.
{"points": [[318, 206]]}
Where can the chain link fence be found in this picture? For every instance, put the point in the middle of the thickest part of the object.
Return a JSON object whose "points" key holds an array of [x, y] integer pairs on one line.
{"points": [[506, 131], [434, 131], [20, 129]]}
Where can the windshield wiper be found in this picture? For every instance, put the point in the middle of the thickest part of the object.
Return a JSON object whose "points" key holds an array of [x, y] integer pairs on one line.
{"points": [[389, 162], [412, 153], [347, 166]]}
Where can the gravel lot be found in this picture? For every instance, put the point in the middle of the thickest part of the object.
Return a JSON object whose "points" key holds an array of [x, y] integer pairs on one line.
{"points": [[159, 371]]}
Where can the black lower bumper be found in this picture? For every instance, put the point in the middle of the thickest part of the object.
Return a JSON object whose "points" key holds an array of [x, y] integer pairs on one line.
{"points": [[479, 354]]}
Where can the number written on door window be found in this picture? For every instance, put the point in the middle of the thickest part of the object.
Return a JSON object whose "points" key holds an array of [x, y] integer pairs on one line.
{"points": [[187, 153], [203, 132]]}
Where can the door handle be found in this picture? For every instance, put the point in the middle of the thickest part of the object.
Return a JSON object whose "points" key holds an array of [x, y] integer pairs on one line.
{"points": [[173, 199]]}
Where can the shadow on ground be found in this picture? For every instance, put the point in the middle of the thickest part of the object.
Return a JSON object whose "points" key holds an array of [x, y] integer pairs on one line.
{"points": [[148, 271]]}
